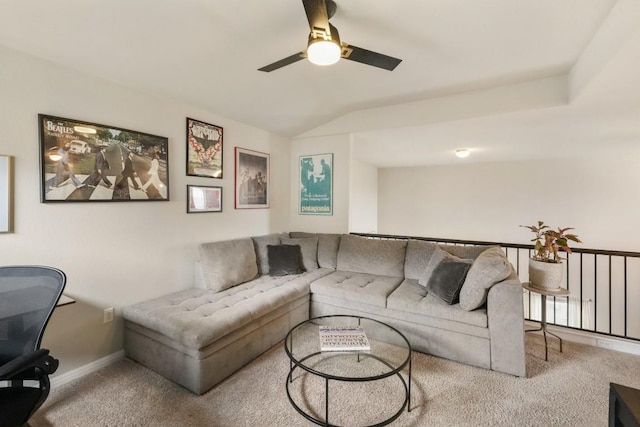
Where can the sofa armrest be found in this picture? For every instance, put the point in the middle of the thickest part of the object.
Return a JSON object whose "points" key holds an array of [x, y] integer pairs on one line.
{"points": [[506, 327]]}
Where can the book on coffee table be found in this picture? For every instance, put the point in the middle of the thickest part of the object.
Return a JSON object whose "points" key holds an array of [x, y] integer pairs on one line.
{"points": [[343, 338]]}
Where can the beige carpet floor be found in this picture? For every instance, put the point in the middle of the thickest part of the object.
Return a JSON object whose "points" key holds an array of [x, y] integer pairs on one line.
{"points": [[571, 389]]}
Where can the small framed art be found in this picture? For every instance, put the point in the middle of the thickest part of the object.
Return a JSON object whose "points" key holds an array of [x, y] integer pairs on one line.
{"points": [[204, 199], [204, 149], [252, 179]]}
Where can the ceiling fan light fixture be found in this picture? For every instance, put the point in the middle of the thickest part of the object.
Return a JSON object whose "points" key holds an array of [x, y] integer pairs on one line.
{"points": [[462, 153], [323, 52]]}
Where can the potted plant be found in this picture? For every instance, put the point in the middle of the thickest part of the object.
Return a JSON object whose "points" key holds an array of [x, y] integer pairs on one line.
{"points": [[545, 266]]}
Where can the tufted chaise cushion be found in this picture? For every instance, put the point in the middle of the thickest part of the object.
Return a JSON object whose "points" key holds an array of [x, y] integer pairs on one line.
{"points": [[198, 317]]}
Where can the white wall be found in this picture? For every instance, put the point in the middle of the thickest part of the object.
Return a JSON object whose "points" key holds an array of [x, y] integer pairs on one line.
{"points": [[116, 254], [340, 147], [363, 200], [599, 197]]}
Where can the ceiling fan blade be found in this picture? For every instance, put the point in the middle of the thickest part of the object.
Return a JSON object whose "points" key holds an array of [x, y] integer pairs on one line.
{"points": [[283, 62], [369, 57], [317, 15]]}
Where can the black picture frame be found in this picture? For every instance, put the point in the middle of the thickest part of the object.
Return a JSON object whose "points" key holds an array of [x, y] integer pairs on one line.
{"points": [[252, 179], [204, 199], [83, 161], [205, 149]]}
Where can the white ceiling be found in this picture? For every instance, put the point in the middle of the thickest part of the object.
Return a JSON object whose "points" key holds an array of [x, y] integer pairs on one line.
{"points": [[568, 69]]}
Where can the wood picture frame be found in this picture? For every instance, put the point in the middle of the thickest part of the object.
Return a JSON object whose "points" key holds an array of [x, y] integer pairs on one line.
{"points": [[252, 177], [88, 162], [204, 149]]}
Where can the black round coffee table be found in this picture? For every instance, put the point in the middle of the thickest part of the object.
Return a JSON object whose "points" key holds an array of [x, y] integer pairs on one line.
{"points": [[389, 355]]}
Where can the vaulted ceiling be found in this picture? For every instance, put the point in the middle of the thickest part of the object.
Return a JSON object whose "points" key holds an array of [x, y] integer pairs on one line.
{"points": [[508, 79]]}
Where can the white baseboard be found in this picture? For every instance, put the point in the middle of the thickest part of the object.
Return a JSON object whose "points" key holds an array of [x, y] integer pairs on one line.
{"points": [[58, 380], [596, 340]]}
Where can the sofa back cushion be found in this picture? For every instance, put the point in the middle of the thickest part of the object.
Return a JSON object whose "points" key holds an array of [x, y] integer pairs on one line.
{"points": [[308, 248], [419, 252], [227, 263], [491, 267], [466, 252], [262, 256], [328, 245], [372, 256]]}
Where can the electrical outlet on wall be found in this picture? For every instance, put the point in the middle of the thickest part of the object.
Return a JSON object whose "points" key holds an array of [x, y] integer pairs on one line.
{"points": [[108, 315]]}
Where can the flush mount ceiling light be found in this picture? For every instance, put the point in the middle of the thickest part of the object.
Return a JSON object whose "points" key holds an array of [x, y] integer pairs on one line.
{"points": [[462, 153]]}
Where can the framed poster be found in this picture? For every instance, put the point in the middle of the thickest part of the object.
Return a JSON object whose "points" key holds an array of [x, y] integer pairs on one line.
{"points": [[204, 149], [88, 162], [252, 179], [316, 184], [204, 199]]}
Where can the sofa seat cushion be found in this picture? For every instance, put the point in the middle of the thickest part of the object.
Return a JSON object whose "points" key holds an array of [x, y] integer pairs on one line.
{"points": [[199, 317], [365, 288], [413, 298]]}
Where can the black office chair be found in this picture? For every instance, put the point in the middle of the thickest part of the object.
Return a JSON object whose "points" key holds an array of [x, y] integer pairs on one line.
{"points": [[28, 295]]}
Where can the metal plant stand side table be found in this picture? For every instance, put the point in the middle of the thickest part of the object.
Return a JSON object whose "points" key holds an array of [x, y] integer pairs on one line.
{"points": [[561, 292]]}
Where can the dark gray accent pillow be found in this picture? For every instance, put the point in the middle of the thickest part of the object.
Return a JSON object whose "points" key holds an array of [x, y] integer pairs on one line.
{"points": [[309, 249], [447, 279], [284, 260]]}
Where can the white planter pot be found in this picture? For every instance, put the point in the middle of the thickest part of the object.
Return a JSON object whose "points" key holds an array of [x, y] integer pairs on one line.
{"points": [[545, 275]]}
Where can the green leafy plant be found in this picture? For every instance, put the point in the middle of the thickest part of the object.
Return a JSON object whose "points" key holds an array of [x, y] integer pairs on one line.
{"points": [[548, 242]]}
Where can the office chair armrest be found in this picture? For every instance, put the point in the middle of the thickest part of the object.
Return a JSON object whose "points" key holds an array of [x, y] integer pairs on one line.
{"points": [[37, 360]]}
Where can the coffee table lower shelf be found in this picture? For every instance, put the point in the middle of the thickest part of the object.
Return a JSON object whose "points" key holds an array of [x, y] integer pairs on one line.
{"points": [[405, 404], [389, 355]]}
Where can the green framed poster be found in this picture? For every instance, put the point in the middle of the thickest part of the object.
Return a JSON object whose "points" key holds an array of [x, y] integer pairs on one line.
{"points": [[316, 184]]}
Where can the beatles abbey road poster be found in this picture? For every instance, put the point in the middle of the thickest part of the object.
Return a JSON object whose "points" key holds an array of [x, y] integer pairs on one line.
{"points": [[88, 162], [316, 188]]}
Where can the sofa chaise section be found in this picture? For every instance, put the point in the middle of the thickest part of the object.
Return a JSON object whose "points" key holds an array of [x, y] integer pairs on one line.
{"points": [[198, 337]]}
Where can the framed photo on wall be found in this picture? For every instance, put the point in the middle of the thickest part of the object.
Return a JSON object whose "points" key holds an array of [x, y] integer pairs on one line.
{"points": [[252, 179], [316, 184], [204, 199], [204, 149], [88, 162]]}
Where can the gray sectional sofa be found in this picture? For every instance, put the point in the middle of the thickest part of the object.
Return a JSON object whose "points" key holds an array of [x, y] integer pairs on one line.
{"points": [[462, 303]]}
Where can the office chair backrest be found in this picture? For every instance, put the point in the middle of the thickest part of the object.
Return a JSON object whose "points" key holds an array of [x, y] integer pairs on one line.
{"points": [[28, 295]]}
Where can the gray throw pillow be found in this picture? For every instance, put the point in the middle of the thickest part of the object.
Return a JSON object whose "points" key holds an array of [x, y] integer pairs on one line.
{"points": [[491, 267], [309, 249], [447, 278], [284, 260], [435, 260]]}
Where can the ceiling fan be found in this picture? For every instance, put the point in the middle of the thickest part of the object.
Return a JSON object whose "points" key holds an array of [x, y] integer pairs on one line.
{"points": [[324, 46]]}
